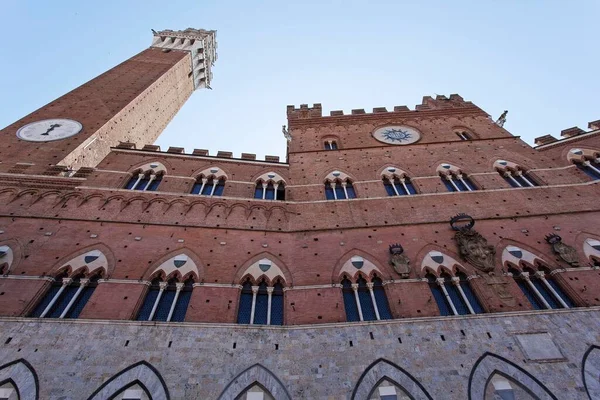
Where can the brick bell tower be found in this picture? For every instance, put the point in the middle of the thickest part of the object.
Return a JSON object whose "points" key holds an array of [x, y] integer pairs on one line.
{"points": [[132, 102]]}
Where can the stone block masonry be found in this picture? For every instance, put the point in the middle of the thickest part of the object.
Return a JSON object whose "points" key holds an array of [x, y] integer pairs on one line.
{"points": [[450, 358]]}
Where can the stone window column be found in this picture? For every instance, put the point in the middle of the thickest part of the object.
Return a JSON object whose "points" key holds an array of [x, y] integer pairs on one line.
{"points": [[440, 282], [253, 309], [214, 186], [450, 178], [178, 287], [522, 175], [525, 276], [270, 296], [152, 178], [508, 174], [542, 276], [370, 286], [460, 176], [162, 286], [344, 187], [590, 165], [456, 282], [140, 177], [403, 181], [392, 181], [82, 284], [204, 180], [65, 283], [264, 191], [275, 187], [333, 185], [355, 290]]}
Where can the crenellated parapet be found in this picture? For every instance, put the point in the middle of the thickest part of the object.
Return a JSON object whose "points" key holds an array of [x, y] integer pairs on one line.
{"points": [[568, 135], [196, 152], [200, 43], [440, 102]]}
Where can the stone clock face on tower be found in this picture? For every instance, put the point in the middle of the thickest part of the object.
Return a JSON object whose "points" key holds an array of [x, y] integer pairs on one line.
{"points": [[48, 130], [397, 134]]}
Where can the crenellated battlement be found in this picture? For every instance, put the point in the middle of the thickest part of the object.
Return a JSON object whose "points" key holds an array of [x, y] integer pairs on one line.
{"points": [[568, 133], [197, 153], [440, 102]]}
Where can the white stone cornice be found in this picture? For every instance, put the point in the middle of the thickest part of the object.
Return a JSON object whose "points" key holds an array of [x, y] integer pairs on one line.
{"points": [[26, 277], [200, 43]]}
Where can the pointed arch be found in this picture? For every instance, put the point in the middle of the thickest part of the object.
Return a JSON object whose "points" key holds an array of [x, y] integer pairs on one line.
{"points": [[382, 369], [516, 255], [211, 172], [23, 377], [183, 262], [437, 260], [356, 262], [446, 168], [141, 373], [154, 167], [591, 249], [10, 255], [490, 364], [266, 265], [590, 372], [93, 258], [256, 374]]}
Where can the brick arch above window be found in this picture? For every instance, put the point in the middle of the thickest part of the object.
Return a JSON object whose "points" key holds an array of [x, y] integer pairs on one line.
{"points": [[271, 176], [581, 154], [392, 172], [446, 168], [591, 249], [212, 172], [437, 262], [10, 255], [181, 263], [357, 262], [264, 265], [96, 259], [337, 176], [517, 256], [153, 167]]}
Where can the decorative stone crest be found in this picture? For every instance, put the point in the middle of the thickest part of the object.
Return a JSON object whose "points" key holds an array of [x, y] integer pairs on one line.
{"points": [[472, 247], [567, 253], [399, 261]]}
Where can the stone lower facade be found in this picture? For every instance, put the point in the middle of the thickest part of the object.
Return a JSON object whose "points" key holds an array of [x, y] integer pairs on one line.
{"points": [[551, 354]]}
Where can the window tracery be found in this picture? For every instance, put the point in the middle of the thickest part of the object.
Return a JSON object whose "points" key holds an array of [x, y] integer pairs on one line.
{"points": [[397, 182], [454, 179], [515, 175]]}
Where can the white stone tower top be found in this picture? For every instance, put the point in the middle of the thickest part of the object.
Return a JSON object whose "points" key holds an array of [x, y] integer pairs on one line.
{"points": [[201, 44]]}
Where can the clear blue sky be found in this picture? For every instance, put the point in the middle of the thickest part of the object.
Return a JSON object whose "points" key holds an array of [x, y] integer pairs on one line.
{"points": [[538, 59]]}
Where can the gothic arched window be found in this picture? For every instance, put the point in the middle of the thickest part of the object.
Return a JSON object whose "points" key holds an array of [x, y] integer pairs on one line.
{"points": [[540, 288], [456, 182], [166, 301], [262, 304], [339, 190], [514, 174], [210, 186], [66, 297], [453, 294], [269, 190], [365, 301], [330, 145], [463, 135], [395, 186], [587, 161], [145, 181]]}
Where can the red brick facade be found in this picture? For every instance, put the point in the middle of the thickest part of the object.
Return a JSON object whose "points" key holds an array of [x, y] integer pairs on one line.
{"points": [[47, 219]]}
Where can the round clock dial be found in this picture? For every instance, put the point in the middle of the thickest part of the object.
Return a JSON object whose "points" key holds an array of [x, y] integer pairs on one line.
{"points": [[397, 134], [48, 130]]}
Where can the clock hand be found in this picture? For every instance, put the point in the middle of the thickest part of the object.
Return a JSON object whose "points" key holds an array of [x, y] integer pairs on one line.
{"points": [[51, 129]]}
